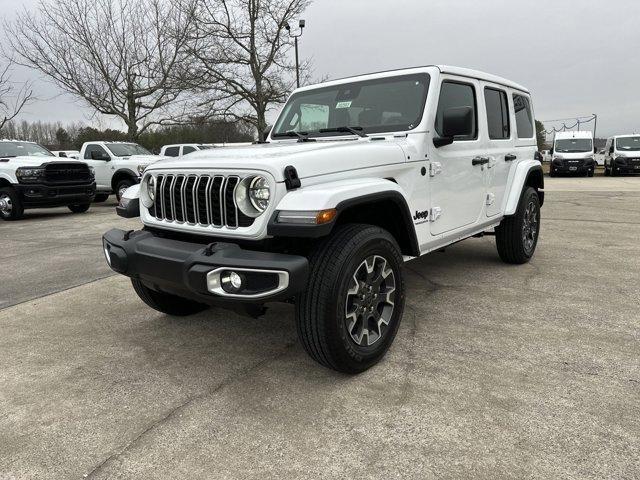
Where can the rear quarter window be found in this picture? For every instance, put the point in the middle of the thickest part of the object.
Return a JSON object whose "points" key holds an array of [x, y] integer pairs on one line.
{"points": [[524, 118]]}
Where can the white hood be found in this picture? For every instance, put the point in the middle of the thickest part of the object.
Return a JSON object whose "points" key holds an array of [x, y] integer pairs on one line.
{"points": [[36, 161], [145, 159], [309, 158]]}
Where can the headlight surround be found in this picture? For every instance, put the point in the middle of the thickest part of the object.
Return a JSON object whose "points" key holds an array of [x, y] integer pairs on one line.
{"points": [[253, 195], [29, 174], [148, 191]]}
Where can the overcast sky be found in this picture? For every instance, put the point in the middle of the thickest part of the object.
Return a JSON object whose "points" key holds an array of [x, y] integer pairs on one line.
{"points": [[576, 56]]}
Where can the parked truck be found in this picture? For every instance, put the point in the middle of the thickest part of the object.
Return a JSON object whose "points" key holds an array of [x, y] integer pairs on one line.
{"points": [[573, 153], [117, 165], [622, 155], [32, 177]]}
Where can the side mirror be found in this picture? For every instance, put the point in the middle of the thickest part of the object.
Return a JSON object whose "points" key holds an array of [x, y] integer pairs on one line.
{"points": [[100, 156], [551, 151], [611, 149], [456, 122], [595, 149], [62, 154]]}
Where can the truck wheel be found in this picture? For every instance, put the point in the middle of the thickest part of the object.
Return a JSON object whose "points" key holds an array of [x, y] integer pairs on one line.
{"points": [[121, 186], [79, 208], [606, 171], [612, 171], [11, 207], [552, 172], [349, 314], [165, 302], [101, 197], [517, 235]]}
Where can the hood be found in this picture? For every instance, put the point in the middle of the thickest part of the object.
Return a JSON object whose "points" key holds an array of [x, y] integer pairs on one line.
{"points": [[145, 159], [574, 155], [27, 161], [309, 158]]}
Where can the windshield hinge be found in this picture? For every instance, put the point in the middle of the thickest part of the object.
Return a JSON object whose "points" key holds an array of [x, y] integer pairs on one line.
{"points": [[434, 168], [291, 179]]}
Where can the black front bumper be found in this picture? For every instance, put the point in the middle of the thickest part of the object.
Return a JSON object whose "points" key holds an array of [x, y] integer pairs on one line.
{"points": [[47, 195], [181, 268], [574, 169]]}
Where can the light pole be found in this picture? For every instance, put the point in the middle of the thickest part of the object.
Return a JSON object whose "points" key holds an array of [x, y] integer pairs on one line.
{"points": [[301, 25]]}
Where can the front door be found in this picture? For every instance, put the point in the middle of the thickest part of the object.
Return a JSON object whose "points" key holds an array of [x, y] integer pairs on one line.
{"points": [[102, 167], [458, 170], [500, 147]]}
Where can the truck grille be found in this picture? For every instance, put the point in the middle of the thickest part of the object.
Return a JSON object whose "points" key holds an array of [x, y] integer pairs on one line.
{"points": [[206, 200], [61, 173]]}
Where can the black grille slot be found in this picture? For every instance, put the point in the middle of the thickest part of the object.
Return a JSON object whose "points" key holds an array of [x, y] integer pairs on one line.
{"points": [[216, 201], [188, 198], [231, 215], [177, 198], [201, 192], [166, 197]]}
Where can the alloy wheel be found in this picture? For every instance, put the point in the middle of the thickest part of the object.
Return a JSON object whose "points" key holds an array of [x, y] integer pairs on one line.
{"points": [[370, 301], [530, 226], [6, 205]]}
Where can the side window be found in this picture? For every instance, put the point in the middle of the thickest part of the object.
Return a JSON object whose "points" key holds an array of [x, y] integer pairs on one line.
{"points": [[455, 95], [524, 120], [94, 148], [497, 114], [172, 151], [188, 149]]}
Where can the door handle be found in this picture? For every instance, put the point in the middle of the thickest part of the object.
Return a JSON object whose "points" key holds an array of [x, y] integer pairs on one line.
{"points": [[480, 160], [509, 158]]}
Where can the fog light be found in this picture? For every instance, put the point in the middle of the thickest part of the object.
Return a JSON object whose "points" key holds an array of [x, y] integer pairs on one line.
{"points": [[232, 282]]}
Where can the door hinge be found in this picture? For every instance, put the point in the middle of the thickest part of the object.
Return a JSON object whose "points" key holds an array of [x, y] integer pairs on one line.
{"points": [[490, 198], [434, 168], [435, 214]]}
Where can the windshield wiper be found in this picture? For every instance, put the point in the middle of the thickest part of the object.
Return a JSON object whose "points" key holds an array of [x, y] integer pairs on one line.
{"points": [[302, 136], [354, 130]]}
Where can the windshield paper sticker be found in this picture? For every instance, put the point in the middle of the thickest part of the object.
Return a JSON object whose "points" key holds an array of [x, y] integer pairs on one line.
{"points": [[343, 104]]}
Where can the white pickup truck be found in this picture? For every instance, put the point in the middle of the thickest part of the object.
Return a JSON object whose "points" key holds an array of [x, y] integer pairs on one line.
{"points": [[117, 165], [359, 175], [32, 177]]}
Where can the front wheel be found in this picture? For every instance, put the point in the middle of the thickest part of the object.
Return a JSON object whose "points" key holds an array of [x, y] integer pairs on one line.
{"points": [[517, 235], [79, 208], [350, 312], [166, 302], [11, 207], [121, 187]]}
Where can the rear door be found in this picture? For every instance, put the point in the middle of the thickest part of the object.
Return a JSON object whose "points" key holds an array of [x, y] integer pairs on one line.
{"points": [[500, 146], [457, 190]]}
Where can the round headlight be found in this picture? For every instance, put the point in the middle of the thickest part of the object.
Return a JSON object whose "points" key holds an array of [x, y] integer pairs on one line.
{"points": [[259, 193], [253, 195], [148, 191]]}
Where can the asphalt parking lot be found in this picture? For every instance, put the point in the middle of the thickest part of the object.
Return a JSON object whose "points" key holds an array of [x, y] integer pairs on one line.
{"points": [[497, 372]]}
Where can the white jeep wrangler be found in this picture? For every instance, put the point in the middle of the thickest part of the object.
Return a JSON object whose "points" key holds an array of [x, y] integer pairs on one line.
{"points": [[118, 165], [32, 177], [358, 176]]}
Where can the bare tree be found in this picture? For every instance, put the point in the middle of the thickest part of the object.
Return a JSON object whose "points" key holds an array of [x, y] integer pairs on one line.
{"points": [[13, 98], [244, 55], [120, 56]]}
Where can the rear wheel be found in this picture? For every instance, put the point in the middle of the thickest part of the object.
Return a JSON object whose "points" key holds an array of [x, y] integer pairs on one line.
{"points": [[166, 302], [350, 312], [11, 207], [79, 208], [613, 171], [517, 235], [122, 186], [101, 197]]}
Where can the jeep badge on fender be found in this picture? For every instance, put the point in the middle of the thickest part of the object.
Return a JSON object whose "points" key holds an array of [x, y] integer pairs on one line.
{"points": [[228, 228]]}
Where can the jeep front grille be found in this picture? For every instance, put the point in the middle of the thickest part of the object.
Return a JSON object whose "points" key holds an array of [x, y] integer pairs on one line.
{"points": [[206, 200]]}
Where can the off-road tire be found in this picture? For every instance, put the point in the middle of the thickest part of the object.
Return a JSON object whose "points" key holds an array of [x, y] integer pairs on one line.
{"points": [[126, 183], [510, 241], [79, 208], [101, 197], [321, 308], [166, 302], [17, 208]]}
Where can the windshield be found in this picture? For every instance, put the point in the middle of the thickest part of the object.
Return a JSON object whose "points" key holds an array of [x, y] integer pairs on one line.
{"points": [[17, 149], [574, 145], [127, 149], [381, 105], [628, 144]]}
